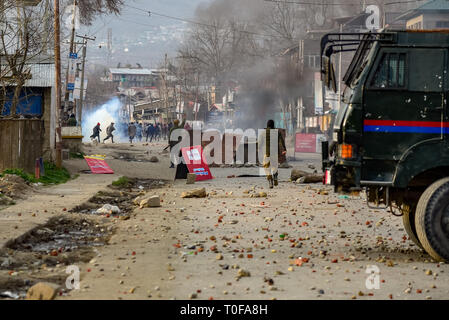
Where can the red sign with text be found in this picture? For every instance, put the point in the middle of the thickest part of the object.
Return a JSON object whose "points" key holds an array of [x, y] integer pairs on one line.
{"points": [[305, 142], [195, 161], [97, 165]]}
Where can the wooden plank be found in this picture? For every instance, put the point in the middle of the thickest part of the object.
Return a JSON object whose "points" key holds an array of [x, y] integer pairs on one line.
{"points": [[24, 135]]}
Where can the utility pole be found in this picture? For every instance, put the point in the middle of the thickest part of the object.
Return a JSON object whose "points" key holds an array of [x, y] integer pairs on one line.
{"points": [[196, 96], [46, 24], [72, 49], [80, 105], [58, 86], [165, 87], [339, 73]]}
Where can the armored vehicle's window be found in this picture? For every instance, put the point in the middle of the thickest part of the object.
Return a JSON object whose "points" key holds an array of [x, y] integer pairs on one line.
{"points": [[426, 71], [391, 71]]}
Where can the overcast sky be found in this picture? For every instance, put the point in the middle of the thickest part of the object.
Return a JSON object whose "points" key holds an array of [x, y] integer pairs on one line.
{"points": [[133, 23]]}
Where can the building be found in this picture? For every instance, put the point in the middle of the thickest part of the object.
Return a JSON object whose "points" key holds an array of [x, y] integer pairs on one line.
{"points": [[29, 133], [431, 15], [127, 77]]}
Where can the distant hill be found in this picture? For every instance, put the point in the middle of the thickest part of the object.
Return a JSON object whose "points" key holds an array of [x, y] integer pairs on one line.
{"points": [[138, 37]]}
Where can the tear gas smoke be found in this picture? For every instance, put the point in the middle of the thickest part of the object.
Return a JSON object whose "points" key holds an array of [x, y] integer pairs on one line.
{"points": [[105, 114]]}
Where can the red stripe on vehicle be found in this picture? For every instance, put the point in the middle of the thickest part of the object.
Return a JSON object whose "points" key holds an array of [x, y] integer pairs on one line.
{"points": [[400, 123]]}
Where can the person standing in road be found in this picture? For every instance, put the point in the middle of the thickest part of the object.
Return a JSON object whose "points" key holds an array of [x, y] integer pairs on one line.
{"points": [[171, 143], [271, 169], [96, 133], [109, 131], [131, 131], [139, 132]]}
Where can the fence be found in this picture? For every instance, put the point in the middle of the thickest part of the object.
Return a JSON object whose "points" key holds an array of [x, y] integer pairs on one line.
{"points": [[21, 143]]}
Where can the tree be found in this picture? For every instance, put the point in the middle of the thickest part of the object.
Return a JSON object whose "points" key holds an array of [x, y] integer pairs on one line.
{"points": [[89, 9], [21, 37]]}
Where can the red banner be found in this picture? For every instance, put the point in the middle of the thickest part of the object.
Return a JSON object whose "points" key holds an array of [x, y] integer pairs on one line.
{"points": [[195, 161], [305, 142], [97, 165]]}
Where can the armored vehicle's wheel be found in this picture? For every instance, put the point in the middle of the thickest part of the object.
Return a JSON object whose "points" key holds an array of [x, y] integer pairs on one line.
{"points": [[432, 220], [408, 220]]}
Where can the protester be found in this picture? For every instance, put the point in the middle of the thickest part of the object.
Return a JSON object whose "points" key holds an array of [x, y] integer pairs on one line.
{"points": [[171, 143], [96, 133], [72, 121], [157, 132], [139, 132], [109, 131], [271, 169], [150, 132], [131, 131]]}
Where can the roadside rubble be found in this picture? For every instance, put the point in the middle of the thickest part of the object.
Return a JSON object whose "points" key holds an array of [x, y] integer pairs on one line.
{"points": [[300, 176], [121, 201], [42, 291], [195, 193], [32, 266], [13, 187]]}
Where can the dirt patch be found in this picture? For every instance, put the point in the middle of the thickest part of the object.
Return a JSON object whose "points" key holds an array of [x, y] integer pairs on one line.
{"points": [[60, 242], [121, 196], [136, 185], [55, 242], [132, 157], [14, 186]]}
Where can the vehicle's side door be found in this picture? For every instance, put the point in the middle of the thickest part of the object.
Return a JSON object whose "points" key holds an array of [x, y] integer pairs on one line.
{"points": [[403, 106]]}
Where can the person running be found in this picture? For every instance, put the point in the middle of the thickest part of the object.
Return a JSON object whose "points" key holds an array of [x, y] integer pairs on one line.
{"points": [[157, 132], [271, 169], [96, 133], [109, 131], [131, 132], [139, 132]]}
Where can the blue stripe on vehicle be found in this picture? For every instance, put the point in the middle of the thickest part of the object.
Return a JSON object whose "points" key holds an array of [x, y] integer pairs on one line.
{"points": [[435, 130]]}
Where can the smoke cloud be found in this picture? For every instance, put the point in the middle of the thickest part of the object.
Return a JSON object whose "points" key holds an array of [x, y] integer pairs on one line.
{"points": [[105, 114]]}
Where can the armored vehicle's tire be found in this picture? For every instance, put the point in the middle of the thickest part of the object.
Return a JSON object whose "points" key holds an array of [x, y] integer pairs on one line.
{"points": [[432, 220], [408, 220]]}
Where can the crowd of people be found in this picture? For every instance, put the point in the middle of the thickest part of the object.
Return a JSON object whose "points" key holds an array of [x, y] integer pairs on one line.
{"points": [[137, 131]]}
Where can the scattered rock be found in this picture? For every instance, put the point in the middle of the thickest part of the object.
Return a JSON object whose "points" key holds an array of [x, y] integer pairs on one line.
{"points": [[191, 178], [243, 273], [195, 193], [150, 202], [42, 291]]}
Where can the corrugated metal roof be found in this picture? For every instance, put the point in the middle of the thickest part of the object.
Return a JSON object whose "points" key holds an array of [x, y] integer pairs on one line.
{"points": [[42, 75], [130, 71], [435, 5]]}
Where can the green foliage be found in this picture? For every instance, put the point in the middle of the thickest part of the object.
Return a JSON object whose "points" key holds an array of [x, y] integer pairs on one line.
{"points": [[121, 182], [53, 175], [19, 172], [76, 155]]}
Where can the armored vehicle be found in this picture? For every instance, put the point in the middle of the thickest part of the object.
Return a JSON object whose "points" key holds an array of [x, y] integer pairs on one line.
{"points": [[391, 134]]}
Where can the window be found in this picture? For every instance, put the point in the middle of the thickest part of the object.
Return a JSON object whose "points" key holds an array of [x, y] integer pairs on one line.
{"points": [[390, 72], [313, 61], [442, 24], [426, 70]]}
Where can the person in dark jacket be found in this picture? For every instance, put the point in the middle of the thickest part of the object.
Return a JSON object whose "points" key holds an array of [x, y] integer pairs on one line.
{"points": [[109, 131], [96, 133], [271, 169], [173, 143], [139, 132], [131, 132]]}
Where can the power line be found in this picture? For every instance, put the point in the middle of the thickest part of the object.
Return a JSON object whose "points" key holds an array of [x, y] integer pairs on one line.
{"points": [[337, 3], [150, 13], [312, 3]]}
